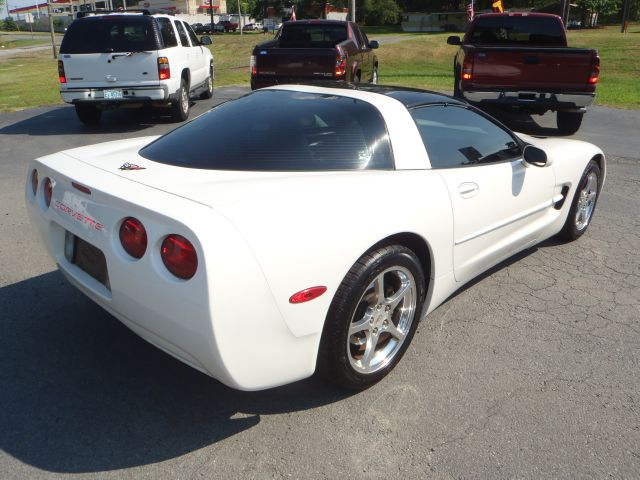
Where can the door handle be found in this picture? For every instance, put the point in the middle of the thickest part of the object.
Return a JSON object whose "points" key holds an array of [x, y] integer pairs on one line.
{"points": [[468, 189]]}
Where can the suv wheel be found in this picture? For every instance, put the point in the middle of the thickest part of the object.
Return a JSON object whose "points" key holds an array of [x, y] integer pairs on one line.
{"points": [[88, 114], [208, 93], [181, 103]]}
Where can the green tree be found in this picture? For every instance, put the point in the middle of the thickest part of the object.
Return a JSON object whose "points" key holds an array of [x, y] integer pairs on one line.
{"points": [[377, 12], [594, 8], [9, 24]]}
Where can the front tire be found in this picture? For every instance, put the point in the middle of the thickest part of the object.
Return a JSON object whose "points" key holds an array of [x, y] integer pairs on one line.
{"points": [[180, 107], [569, 122], [88, 114], [208, 93], [372, 317], [374, 75], [457, 91], [583, 204]]}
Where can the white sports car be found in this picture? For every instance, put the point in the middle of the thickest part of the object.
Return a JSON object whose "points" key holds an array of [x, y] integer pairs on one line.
{"points": [[304, 228]]}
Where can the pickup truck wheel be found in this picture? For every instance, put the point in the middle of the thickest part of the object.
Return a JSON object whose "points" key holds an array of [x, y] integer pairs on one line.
{"points": [[457, 92], [208, 93], [181, 104], [374, 76], [88, 114], [569, 122], [583, 204], [372, 318]]}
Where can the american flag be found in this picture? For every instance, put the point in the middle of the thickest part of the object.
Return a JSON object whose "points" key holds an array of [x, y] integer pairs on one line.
{"points": [[469, 10]]}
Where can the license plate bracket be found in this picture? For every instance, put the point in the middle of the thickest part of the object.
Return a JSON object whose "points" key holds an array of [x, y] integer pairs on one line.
{"points": [[113, 94], [88, 258]]}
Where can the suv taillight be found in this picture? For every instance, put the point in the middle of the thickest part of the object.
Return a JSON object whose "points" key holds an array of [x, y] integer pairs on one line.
{"points": [[595, 69], [179, 256], [253, 66], [341, 63], [133, 237], [61, 76], [164, 72], [467, 68]]}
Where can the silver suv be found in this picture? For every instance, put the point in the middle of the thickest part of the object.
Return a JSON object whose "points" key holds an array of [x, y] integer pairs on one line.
{"points": [[133, 59]]}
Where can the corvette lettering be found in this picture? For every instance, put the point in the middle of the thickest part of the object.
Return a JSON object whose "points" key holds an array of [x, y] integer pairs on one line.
{"points": [[79, 216]]}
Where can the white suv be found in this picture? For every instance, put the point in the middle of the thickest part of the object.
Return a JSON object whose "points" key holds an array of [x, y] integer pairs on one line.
{"points": [[130, 59]]}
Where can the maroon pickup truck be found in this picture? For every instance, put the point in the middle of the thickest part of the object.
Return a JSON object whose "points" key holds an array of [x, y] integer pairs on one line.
{"points": [[521, 61], [309, 50]]}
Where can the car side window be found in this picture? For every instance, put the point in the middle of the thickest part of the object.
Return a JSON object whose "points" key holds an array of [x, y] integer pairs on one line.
{"points": [[182, 33], [167, 32], [194, 38], [456, 136]]}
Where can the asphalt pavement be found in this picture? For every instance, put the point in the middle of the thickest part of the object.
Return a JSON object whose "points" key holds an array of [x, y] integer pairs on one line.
{"points": [[531, 371]]}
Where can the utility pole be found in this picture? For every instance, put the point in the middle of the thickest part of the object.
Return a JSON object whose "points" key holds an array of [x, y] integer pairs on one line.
{"points": [[210, 12], [625, 16], [352, 8], [53, 37], [239, 18]]}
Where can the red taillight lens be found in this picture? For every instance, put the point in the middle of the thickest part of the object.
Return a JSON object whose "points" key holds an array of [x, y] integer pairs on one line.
{"points": [[48, 191], [133, 237], [307, 294], [179, 256], [164, 72], [595, 69], [61, 76], [467, 68], [34, 181], [341, 63], [253, 65]]}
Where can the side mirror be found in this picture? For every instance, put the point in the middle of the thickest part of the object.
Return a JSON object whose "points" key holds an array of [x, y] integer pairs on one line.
{"points": [[535, 156], [374, 44], [206, 40], [453, 40]]}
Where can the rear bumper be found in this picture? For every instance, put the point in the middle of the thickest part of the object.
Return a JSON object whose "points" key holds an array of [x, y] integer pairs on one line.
{"points": [[532, 100], [267, 81], [130, 95]]}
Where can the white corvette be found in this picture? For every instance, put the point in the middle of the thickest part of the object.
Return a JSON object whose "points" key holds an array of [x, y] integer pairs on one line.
{"points": [[302, 227]]}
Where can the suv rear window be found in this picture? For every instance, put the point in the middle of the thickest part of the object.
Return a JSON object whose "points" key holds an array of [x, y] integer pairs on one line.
{"points": [[520, 29], [312, 35], [110, 33], [275, 130]]}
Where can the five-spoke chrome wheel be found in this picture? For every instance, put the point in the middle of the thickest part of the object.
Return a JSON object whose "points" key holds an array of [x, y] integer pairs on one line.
{"points": [[382, 320], [586, 201]]}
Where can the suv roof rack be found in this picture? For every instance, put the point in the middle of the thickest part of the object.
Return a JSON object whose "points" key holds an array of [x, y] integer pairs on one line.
{"points": [[86, 13]]}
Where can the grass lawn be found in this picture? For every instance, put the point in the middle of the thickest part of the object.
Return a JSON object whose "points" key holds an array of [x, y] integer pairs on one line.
{"points": [[23, 42], [425, 60]]}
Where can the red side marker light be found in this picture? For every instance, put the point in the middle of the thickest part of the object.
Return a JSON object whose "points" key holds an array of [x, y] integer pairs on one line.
{"points": [[307, 294], [82, 188], [48, 191]]}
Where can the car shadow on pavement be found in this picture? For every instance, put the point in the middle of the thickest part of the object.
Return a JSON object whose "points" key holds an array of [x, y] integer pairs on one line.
{"points": [[524, 123], [63, 121], [81, 393]]}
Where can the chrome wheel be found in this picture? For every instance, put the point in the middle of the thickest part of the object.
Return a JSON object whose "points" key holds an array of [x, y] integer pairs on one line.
{"points": [[184, 100], [382, 319], [374, 77], [586, 201]]}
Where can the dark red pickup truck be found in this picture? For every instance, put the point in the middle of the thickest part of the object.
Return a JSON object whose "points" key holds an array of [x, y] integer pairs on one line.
{"points": [[521, 61], [308, 50]]}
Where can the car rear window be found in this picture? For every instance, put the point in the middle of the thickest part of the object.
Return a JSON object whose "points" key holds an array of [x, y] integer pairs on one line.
{"points": [[105, 34], [275, 130], [312, 35], [513, 30]]}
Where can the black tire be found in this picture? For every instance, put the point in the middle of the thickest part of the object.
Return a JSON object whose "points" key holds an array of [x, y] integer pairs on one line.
{"points": [[355, 303], [581, 212], [88, 114], [569, 122], [374, 75], [180, 107], [457, 92], [208, 93]]}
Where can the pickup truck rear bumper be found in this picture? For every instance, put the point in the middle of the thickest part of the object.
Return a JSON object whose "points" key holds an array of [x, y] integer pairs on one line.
{"points": [[268, 81], [536, 101], [129, 94]]}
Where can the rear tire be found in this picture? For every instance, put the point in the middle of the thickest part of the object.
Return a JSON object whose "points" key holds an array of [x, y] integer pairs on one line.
{"points": [[374, 76], [457, 92], [569, 122], [208, 93], [583, 204], [181, 105], [88, 114], [372, 318]]}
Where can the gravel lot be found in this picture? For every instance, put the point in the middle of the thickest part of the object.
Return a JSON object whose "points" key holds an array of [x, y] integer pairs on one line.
{"points": [[531, 371]]}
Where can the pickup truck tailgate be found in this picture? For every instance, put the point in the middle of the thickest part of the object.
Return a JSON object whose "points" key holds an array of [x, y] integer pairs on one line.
{"points": [[296, 62], [553, 69]]}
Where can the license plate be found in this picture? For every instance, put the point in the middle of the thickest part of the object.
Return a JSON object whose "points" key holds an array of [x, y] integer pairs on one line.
{"points": [[113, 94], [89, 259]]}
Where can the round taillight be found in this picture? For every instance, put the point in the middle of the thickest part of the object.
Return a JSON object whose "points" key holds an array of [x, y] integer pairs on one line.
{"points": [[34, 181], [48, 191], [179, 256], [133, 237]]}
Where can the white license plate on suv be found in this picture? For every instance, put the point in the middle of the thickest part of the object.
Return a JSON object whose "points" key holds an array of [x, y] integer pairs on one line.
{"points": [[112, 94]]}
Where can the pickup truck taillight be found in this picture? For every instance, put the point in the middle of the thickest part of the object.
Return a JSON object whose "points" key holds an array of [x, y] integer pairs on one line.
{"points": [[164, 72], [253, 66], [467, 68], [595, 68], [341, 63], [61, 76]]}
